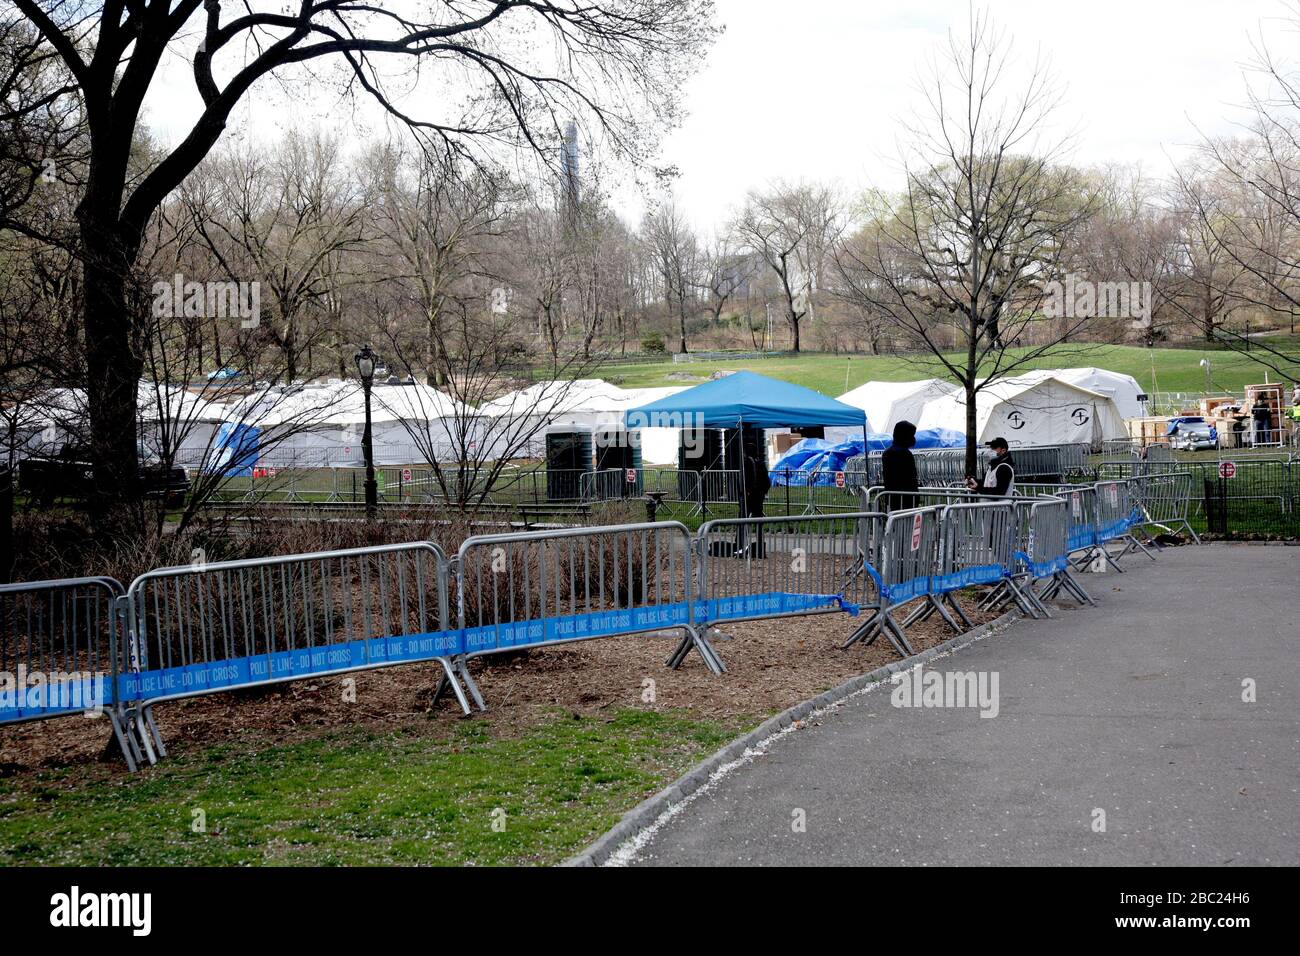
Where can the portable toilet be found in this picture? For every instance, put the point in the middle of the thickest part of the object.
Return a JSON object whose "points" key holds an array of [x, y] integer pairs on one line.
{"points": [[568, 458], [617, 456]]}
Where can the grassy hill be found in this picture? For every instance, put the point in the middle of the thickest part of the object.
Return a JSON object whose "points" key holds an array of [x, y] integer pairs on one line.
{"points": [[1163, 370]]}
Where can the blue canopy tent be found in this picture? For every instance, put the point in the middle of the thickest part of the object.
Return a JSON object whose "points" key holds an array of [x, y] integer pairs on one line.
{"points": [[745, 400]]}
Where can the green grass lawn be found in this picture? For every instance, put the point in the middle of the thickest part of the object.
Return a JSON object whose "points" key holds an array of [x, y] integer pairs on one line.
{"points": [[355, 797], [1164, 370]]}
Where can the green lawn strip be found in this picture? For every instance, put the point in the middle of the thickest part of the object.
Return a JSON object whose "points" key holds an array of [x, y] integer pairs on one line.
{"points": [[356, 797], [1166, 370]]}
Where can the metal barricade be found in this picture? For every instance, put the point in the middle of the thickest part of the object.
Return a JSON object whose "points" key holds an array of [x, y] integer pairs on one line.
{"points": [[1165, 500], [1117, 516], [719, 486], [611, 484], [61, 651], [1081, 512], [1047, 558], [878, 499], [974, 549], [570, 584], [751, 568], [207, 627], [905, 562]]}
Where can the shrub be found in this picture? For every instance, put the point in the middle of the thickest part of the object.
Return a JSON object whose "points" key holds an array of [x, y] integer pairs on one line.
{"points": [[653, 343]]}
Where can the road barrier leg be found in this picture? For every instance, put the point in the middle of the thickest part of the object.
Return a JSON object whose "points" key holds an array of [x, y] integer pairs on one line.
{"points": [[126, 741], [151, 728], [881, 622], [956, 606], [450, 680], [695, 638]]}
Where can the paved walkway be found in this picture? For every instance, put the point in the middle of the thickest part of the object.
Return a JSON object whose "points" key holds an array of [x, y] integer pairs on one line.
{"points": [[1134, 708]]}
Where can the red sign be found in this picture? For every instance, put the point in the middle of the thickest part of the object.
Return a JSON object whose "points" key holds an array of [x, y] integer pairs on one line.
{"points": [[916, 531], [1227, 469], [839, 479], [406, 474], [631, 476]]}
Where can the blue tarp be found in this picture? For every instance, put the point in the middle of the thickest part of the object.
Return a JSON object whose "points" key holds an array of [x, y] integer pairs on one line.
{"points": [[826, 457], [234, 452], [1182, 420], [745, 398]]}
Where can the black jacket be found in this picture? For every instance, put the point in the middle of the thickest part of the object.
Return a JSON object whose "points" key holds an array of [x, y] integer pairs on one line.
{"points": [[898, 469], [1003, 472]]}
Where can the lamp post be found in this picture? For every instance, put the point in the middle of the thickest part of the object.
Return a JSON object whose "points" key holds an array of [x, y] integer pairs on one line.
{"points": [[366, 362]]}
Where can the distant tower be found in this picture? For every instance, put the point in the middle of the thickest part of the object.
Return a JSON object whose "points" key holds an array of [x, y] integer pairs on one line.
{"points": [[569, 164]]}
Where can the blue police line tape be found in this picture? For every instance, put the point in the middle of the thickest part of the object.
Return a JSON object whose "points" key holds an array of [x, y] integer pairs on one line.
{"points": [[50, 698], [1042, 569], [408, 648]]}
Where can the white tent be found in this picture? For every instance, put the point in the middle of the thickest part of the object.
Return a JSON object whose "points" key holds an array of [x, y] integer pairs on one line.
{"points": [[1123, 389], [322, 425], [1031, 409], [888, 403], [168, 415], [585, 402]]}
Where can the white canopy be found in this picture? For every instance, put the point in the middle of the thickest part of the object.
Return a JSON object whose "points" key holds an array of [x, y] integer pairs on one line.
{"points": [[584, 402], [888, 403], [1032, 409], [1123, 389]]}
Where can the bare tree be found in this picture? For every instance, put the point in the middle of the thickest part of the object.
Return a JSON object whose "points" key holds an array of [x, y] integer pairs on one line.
{"points": [[1258, 174], [982, 226], [523, 65], [281, 223], [672, 244], [723, 273], [438, 224]]}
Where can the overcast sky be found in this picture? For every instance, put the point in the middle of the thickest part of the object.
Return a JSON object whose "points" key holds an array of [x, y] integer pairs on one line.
{"points": [[818, 93], [815, 89]]}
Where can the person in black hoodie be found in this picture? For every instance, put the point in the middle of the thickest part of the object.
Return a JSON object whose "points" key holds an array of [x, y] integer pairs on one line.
{"points": [[899, 469]]}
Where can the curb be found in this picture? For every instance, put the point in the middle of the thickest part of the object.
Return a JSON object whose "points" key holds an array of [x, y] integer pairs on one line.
{"points": [[649, 810]]}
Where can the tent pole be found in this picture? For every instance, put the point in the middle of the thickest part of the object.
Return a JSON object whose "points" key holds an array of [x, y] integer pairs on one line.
{"points": [[740, 440]]}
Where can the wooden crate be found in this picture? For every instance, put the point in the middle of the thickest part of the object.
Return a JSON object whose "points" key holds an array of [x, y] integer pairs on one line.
{"points": [[1148, 431]]}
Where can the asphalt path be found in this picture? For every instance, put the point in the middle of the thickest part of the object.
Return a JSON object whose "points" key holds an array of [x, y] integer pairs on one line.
{"points": [[1121, 737]]}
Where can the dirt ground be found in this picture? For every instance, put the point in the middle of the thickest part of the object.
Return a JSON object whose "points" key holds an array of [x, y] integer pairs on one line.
{"points": [[771, 665]]}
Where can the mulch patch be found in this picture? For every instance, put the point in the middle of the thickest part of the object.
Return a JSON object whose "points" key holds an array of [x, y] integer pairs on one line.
{"points": [[771, 665]]}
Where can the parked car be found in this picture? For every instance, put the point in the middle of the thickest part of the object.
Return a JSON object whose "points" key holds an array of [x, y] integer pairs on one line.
{"points": [[71, 475], [1193, 434]]}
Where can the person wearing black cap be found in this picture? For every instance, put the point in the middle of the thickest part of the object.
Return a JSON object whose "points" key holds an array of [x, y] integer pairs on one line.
{"points": [[899, 469], [1000, 477]]}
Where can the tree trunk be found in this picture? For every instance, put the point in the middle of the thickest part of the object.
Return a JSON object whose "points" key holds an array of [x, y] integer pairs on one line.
{"points": [[972, 438], [113, 371]]}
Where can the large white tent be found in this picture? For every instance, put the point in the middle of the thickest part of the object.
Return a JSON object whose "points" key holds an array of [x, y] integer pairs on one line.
{"points": [[169, 416], [589, 402], [1122, 389], [1033, 409], [322, 424], [888, 403]]}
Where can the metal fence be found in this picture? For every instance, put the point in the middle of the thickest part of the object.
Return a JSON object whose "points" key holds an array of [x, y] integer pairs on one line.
{"points": [[207, 627], [1252, 497]]}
